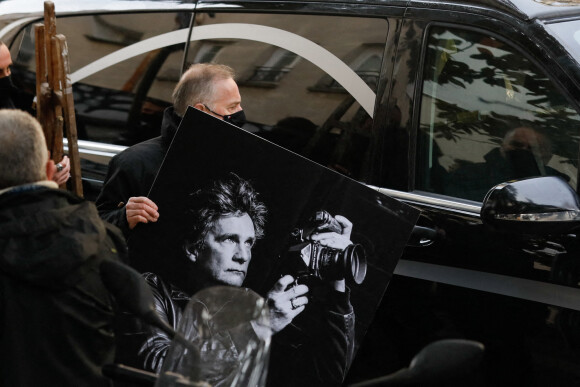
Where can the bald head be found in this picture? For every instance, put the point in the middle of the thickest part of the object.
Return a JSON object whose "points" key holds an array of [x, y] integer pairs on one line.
{"points": [[197, 85], [23, 152]]}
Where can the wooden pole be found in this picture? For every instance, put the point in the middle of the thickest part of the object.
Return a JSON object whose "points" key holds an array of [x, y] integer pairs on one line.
{"points": [[66, 99], [54, 98], [47, 113]]}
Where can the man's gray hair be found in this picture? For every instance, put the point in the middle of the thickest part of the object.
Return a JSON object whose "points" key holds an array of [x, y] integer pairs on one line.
{"points": [[23, 152], [197, 85]]}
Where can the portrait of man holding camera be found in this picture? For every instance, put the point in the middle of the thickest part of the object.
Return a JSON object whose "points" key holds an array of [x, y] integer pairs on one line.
{"points": [[243, 212], [226, 219]]}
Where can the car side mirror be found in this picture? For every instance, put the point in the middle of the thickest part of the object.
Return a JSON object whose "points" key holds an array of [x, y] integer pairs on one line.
{"points": [[539, 205]]}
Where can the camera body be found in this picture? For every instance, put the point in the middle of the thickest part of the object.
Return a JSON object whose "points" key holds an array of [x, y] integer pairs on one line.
{"points": [[307, 258]]}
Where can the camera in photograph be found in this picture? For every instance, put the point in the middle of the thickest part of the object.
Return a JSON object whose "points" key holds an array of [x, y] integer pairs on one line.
{"points": [[311, 259]]}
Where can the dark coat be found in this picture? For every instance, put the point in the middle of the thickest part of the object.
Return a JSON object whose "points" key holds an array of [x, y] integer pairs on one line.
{"points": [[56, 315], [13, 98], [132, 172], [315, 350]]}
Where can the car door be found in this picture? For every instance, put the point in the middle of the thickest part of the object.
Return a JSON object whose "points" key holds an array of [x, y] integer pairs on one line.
{"points": [[312, 75], [471, 89]]}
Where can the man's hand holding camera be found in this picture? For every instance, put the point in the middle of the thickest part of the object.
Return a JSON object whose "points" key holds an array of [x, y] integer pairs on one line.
{"points": [[288, 299], [336, 241]]}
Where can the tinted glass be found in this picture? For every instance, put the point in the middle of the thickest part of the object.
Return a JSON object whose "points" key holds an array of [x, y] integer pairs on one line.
{"points": [[307, 82], [488, 115], [120, 95]]}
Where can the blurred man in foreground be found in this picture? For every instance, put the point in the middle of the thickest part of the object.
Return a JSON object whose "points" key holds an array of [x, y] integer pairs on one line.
{"points": [[56, 315]]}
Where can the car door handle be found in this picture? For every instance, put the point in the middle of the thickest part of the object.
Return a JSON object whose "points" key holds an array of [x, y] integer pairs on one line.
{"points": [[422, 236]]}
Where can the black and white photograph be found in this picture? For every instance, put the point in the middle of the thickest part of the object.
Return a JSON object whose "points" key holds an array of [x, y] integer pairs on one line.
{"points": [[241, 211]]}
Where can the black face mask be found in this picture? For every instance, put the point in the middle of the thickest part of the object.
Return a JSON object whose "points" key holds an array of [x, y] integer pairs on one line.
{"points": [[6, 91], [238, 118], [6, 83]]}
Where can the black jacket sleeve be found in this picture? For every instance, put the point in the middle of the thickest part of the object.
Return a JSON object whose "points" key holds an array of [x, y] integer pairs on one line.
{"points": [[118, 187], [131, 173], [318, 347], [144, 346]]}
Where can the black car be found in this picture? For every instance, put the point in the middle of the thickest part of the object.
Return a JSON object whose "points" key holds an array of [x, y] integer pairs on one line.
{"points": [[431, 102]]}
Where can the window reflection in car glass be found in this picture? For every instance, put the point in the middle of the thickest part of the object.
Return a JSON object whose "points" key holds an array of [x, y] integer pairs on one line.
{"points": [[121, 103], [292, 96], [291, 101], [489, 115]]}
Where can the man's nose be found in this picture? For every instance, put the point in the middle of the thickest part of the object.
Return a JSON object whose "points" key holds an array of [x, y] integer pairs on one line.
{"points": [[242, 254]]}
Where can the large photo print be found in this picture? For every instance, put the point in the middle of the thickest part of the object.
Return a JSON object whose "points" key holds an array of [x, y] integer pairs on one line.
{"points": [[320, 247]]}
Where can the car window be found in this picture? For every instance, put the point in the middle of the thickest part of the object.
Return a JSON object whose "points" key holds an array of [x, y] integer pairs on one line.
{"points": [[489, 114], [120, 86], [308, 83]]}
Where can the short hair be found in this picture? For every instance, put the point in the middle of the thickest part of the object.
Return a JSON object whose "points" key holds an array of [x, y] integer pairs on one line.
{"points": [[230, 196], [197, 85], [23, 151]]}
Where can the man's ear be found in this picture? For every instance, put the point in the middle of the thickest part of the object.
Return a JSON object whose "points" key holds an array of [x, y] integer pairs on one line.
{"points": [[200, 106], [50, 169]]}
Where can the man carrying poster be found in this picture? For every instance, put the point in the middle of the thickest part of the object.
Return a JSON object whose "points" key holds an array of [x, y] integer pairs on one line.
{"points": [[122, 201]]}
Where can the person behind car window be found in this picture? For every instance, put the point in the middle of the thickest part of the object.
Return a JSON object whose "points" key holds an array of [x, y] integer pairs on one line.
{"points": [[56, 315], [524, 152], [13, 98], [122, 200], [226, 219]]}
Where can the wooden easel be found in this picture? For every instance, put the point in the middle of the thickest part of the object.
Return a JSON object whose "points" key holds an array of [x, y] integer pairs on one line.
{"points": [[54, 98]]}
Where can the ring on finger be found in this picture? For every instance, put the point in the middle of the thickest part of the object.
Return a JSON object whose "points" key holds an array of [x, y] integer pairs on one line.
{"points": [[292, 303], [59, 167]]}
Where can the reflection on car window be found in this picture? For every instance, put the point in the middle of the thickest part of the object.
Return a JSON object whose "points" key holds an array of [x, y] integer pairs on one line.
{"points": [[488, 115], [121, 103], [291, 101], [310, 87]]}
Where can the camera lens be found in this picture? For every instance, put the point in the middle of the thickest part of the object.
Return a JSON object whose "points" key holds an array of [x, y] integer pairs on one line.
{"points": [[331, 264], [355, 263]]}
